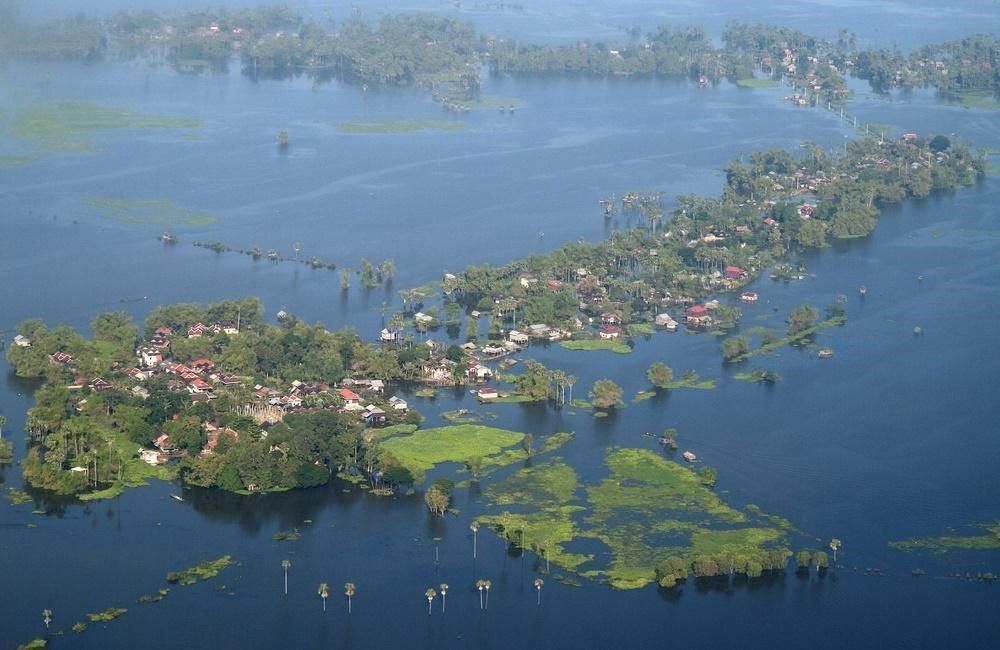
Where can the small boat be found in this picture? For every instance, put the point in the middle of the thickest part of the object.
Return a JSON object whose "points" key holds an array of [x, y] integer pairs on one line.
{"points": [[862, 291], [748, 296], [176, 497], [689, 456], [666, 441], [825, 353]]}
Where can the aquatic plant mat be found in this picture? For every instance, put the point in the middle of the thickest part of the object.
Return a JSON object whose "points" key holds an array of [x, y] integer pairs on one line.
{"points": [[71, 125], [955, 542], [397, 127], [157, 212], [618, 529]]}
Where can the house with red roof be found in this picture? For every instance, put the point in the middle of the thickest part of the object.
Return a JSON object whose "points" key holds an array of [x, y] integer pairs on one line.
{"points": [[349, 396], [735, 273]]}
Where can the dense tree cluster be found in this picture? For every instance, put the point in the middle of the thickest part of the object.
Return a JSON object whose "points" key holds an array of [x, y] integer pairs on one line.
{"points": [[674, 569]]}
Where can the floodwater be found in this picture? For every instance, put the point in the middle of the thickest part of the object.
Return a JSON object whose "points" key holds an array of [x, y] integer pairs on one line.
{"points": [[892, 438]]}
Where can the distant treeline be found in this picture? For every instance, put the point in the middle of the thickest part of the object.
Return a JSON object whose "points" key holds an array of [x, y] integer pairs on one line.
{"points": [[416, 48]]}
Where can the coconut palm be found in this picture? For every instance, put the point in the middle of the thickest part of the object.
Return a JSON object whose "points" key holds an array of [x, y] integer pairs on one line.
{"points": [[444, 593], [487, 584], [474, 527], [3, 421], [430, 593], [538, 587], [834, 545], [349, 591], [480, 584], [285, 564], [324, 593], [46, 617]]}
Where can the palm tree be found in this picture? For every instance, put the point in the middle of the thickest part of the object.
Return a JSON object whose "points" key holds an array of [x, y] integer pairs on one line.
{"points": [[487, 584], [285, 564], [46, 617], [834, 545], [3, 421], [349, 591], [297, 247], [430, 593], [479, 585], [474, 527], [324, 593], [538, 587], [444, 593]]}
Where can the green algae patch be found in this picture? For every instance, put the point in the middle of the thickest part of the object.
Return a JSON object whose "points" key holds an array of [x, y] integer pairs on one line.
{"points": [[945, 543], [397, 127], [69, 125], [159, 212], [426, 448], [590, 345]]}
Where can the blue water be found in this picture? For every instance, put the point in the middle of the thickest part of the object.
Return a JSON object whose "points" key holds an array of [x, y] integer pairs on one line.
{"points": [[892, 438]]}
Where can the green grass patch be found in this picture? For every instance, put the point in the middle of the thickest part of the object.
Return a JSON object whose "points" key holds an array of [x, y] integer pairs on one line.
{"points": [[159, 212], [691, 380], [204, 571], [753, 82], [395, 430], [426, 448], [946, 543], [513, 398], [462, 416], [426, 393], [68, 125], [788, 340], [397, 127], [612, 345], [641, 328], [292, 535], [982, 100], [643, 395]]}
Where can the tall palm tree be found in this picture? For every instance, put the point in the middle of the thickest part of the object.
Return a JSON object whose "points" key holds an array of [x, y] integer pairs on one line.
{"points": [[430, 593], [3, 421], [538, 587], [834, 545], [324, 593], [444, 593], [487, 584], [285, 564], [480, 584], [349, 591], [474, 527], [46, 617]]}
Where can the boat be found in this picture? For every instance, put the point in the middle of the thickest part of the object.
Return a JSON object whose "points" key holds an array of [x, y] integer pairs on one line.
{"points": [[825, 353], [176, 497], [689, 456], [862, 291], [748, 296]]}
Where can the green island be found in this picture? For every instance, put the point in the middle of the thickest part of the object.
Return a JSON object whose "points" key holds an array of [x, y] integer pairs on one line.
{"points": [[647, 512], [204, 571], [945, 543], [618, 347], [158, 212]]}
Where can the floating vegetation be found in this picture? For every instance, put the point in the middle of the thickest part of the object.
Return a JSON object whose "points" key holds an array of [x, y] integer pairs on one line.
{"points": [[426, 448], [107, 615], [160, 212], [612, 345], [773, 344], [647, 509], [643, 395], [79, 627], [690, 379], [203, 571], [982, 100], [946, 543], [15, 161], [397, 127], [17, 496], [753, 82], [758, 376], [462, 416], [272, 255], [67, 125], [292, 535], [425, 393]]}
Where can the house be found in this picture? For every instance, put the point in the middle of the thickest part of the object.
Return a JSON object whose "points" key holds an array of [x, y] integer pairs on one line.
{"points": [[196, 330], [484, 394], [770, 222], [479, 372], [149, 456], [140, 392], [62, 358], [163, 443], [697, 316], [805, 210], [909, 137], [608, 332], [398, 404], [664, 320], [229, 380], [610, 318], [420, 318], [442, 371], [554, 285], [349, 396], [99, 385], [136, 374], [160, 342], [527, 279], [388, 335], [199, 385], [748, 296], [493, 350], [229, 328], [735, 273], [150, 356], [164, 330], [203, 365], [22, 341], [538, 330], [374, 416], [515, 336], [376, 386]]}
